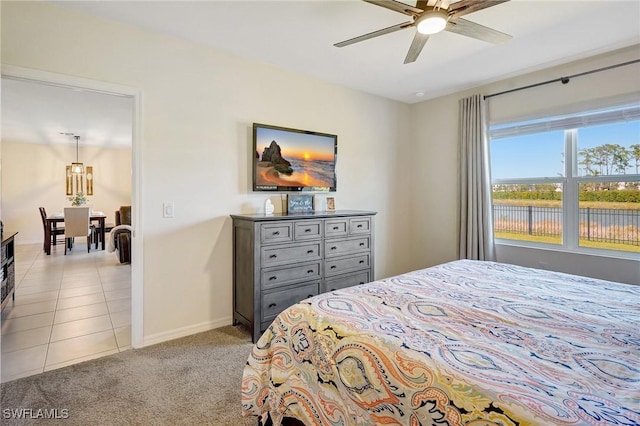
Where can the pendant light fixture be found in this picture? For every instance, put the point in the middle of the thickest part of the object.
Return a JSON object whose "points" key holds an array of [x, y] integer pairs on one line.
{"points": [[79, 178], [77, 168]]}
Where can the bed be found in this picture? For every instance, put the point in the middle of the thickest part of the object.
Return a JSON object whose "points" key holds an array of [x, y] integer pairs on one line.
{"points": [[464, 343]]}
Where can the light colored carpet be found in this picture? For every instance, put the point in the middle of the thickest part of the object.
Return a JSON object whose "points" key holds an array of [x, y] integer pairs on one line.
{"points": [[194, 380]]}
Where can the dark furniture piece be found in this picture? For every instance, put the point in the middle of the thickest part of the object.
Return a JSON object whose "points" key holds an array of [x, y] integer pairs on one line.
{"points": [[123, 215], [281, 259], [98, 232], [122, 237], [55, 231], [7, 268], [51, 224]]}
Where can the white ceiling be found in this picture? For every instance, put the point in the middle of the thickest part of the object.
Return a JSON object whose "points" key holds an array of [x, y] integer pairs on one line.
{"points": [[299, 36], [40, 113]]}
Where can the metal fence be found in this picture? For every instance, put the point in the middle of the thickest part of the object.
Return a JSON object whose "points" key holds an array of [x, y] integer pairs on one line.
{"points": [[601, 225]]}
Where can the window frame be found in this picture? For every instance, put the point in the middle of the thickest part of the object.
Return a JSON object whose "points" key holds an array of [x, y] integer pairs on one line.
{"points": [[571, 180]]}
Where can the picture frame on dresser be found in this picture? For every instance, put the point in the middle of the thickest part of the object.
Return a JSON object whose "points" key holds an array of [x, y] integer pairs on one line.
{"points": [[300, 203], [331, 204]]}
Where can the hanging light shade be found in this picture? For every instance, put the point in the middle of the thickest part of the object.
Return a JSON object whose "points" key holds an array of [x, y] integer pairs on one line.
{"points": [[432, 22], [77, 168]]}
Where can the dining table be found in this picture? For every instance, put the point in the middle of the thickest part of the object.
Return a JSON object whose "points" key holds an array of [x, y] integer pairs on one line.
{"points": [[52, 221]]}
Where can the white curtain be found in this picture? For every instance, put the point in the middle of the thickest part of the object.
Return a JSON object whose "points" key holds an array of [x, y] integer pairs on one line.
{"points": [[476, 223]]}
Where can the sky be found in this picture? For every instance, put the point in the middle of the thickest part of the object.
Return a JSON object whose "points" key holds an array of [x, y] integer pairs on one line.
{"points": [[541, 154], [297, 144]]}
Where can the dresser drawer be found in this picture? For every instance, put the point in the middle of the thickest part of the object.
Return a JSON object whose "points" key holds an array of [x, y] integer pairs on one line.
{"points": [[276, 301], [276, 277], [290, 253], [346, 264], [336, 228], [347, 280], [340, 247], [307, 230], [276, 233], [360, 225]]}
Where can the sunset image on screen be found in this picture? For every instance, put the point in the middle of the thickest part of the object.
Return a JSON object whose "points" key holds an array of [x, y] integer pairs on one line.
{"points": [[294, 159]]}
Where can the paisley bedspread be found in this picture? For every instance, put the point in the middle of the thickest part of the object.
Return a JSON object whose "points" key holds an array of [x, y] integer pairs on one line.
{"points": [[463, 343]]}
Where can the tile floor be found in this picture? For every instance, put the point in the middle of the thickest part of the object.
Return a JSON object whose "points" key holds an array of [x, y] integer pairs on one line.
{"points": [[67, 309]]}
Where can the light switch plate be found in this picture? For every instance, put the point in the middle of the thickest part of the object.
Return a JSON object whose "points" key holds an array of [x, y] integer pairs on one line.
{"points": [[167, 209]]}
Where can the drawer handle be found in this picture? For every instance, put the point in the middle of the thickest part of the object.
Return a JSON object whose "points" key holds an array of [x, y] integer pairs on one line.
{"points": [[310, 271], [334, 248], [362, 261], [276, 233], [309, 251], [273, 278], [307, 230], [333, 266], [361, 244], [360, 226], [335, 228], [273, 256], [273, 305]]}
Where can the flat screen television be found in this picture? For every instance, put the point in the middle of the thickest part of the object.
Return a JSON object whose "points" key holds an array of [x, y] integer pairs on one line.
{"points": [[287, 159]]}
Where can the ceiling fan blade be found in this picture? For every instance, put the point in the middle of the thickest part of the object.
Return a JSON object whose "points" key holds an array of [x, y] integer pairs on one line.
{"points": [[383, 31], [397, 6], [465, 7], [473, 30], [417, 44]]}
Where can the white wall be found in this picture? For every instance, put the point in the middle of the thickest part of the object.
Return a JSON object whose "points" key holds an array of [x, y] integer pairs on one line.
{"points": [[34, 176], [435, 132], [197, 109]]}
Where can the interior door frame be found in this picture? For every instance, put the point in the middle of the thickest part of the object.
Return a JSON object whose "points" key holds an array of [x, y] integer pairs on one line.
{"points": [[79, 83]]}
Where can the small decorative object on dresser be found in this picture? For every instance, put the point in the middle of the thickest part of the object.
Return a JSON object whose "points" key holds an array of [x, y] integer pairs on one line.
{"points": [[331, 204], [281, 259], [268, 206], [299, 203]]}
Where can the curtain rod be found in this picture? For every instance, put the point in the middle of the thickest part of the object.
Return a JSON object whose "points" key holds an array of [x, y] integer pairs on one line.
{"points": [[563, 80]]}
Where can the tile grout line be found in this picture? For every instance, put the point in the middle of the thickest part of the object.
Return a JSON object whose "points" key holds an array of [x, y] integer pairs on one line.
{"points": [[113, 328], [53, 320]]}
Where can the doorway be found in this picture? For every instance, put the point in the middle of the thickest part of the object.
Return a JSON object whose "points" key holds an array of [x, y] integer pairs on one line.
{"points": [[77, 288]]}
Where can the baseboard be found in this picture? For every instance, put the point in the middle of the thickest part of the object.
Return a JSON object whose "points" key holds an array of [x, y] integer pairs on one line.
{"points": [[186, 331]]}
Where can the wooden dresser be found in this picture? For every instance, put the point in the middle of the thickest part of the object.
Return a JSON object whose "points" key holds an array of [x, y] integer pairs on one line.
{"points": [[7, 268], [281, 259]]}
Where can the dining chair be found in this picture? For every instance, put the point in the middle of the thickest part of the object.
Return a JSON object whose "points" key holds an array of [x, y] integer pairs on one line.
{"points": [[55, 231], [77, 224], [97, 232]]}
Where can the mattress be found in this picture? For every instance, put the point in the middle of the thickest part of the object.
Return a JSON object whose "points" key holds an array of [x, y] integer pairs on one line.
{"points": [[463, 343]]}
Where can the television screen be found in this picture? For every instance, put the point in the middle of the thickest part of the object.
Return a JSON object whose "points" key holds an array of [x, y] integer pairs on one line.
{"points": [[293, 160]]}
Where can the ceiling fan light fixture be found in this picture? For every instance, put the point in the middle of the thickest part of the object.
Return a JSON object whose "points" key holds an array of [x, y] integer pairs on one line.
{"points": [[432, 22]]}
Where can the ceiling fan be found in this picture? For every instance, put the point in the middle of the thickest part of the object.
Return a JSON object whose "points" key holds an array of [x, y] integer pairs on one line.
{"points": [[433, 16]]}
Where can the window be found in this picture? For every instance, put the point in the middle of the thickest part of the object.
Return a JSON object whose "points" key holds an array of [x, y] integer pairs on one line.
{"points": [[571, 181]]}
